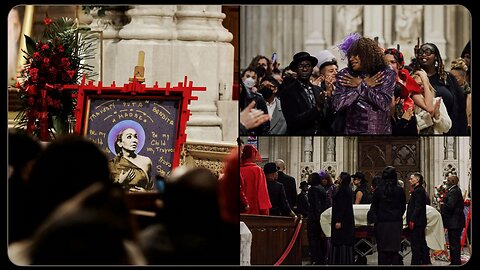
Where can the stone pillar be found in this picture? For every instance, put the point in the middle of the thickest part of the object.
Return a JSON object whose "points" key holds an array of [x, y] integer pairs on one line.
{"points": [[464, 162], [178, 41], [373, 23], [434, 29], [150, 22], [307, 149], [388, 21], [192, 23], [408, 27], [313, 27]]}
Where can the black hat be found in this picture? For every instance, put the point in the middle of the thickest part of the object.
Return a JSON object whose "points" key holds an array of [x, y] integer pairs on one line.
{"points": [[301, 56], [359, 175], [303, 184], [270, 168]]}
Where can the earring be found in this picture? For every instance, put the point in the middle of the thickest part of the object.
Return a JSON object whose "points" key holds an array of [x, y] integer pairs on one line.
{"points": [[436, 63]]}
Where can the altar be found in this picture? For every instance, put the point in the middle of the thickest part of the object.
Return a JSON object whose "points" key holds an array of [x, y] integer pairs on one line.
{"points": [[434, 231]]}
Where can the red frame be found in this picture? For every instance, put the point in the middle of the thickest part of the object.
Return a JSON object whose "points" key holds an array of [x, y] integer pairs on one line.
{"points": [[135, 89]]}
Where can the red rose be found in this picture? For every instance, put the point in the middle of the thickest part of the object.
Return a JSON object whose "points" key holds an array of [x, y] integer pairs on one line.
{"points": [[37, 56], [45, 47], [47, 21], [60, 48]]}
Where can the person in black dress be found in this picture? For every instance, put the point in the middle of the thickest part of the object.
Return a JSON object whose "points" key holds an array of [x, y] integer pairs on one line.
{"points": [[317, 198], [343, 224], [446, 87]]}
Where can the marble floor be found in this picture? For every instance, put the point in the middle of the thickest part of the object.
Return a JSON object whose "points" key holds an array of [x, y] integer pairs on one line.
{"points": [[372, 259]]}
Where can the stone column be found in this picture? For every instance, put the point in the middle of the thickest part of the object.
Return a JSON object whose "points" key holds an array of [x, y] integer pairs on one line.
{"points": [[408, 27], [330, 149], [464, 163], [209, 62], [307, 149], [434, 29], [373, 23], [179, 41], [150, 22], [313, 27]]}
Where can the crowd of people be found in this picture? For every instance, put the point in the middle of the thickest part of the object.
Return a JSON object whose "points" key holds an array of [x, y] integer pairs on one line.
{"points": [[65, 207], [376, 93], [270, 191]]}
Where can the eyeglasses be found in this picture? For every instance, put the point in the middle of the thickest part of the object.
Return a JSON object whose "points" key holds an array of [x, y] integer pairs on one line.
{"points": [[307, 66], [427, 52]]}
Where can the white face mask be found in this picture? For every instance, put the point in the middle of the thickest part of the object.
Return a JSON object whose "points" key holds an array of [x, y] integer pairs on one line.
{"points": [[249, 82]]}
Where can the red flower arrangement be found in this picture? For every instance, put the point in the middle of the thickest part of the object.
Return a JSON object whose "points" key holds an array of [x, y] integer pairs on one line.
{"points": [[55, 60], [440, 193]]}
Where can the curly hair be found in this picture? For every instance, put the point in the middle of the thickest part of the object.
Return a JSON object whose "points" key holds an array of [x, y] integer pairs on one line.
{"points": [[254, 63], [459, 64], [370, 54]]}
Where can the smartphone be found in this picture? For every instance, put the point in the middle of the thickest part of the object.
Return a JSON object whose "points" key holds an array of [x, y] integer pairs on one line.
{"points": [[274, 57]]}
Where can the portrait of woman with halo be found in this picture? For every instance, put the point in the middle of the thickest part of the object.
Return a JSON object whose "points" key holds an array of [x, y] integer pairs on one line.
{"points": [[132, 170]]}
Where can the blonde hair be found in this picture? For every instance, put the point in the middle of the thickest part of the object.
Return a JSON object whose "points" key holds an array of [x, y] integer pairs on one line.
{"points": [[459, 64], [430, 87]]}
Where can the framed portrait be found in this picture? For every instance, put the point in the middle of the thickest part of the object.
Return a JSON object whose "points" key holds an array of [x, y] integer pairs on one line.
{"points": [[141, 129]]}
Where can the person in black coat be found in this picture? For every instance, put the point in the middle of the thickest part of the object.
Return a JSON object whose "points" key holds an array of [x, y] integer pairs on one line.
{"points": [[288, 182], [343, 223], [276, 193], [388, 205], [417, 220], [317, 198], [453, 217], [302, 200], [304, 105], [245, 98]]}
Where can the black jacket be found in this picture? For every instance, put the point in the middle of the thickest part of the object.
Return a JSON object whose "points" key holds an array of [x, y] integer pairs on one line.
{"points": [[452, 209], [301, 116], [244, 99], [317, 198], [278, 199], [302, 205], [417, 207], [290, 187], [389, 208]]}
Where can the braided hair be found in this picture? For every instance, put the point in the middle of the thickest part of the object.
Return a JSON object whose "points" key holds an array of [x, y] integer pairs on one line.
{"points": [[440, 68]]}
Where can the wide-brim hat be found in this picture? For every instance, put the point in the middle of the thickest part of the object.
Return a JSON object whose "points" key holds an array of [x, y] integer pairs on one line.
{"points": [[302, 56], [359, 175], [270, 168], [303, 184]]}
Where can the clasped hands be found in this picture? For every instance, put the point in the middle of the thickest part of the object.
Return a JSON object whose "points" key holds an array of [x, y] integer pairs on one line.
{"points": [[353, 82]]}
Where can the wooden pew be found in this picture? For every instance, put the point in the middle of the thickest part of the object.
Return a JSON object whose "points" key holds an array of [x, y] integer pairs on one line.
{"points": [[270, 238]]}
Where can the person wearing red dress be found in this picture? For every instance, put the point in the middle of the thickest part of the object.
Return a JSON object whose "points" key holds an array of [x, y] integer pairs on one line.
{"points": [[254, 182]]}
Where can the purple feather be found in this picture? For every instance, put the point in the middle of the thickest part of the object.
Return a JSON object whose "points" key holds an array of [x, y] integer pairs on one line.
{"points": [[322, 174], [347, 42]]}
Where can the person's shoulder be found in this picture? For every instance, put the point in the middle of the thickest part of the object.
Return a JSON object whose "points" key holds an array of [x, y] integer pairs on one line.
{"points": [[144, 159], [345, 70]]}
